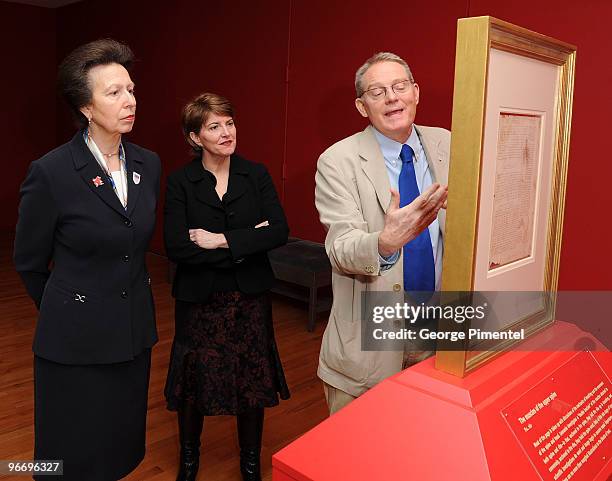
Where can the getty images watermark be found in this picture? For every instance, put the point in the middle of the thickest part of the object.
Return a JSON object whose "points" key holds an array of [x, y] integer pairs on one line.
{"points": [[422, 313], [395, 321]]}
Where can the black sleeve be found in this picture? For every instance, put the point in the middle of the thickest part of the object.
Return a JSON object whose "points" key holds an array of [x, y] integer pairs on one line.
{"points": [[158, 182], [179, 247], [251, 240], [34, 236]]}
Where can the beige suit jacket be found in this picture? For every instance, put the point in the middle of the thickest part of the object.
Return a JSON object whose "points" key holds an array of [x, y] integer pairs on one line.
{"points": [[352, 195]]}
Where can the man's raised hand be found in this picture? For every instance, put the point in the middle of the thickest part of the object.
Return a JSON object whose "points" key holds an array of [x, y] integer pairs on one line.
{"points": [[402, 224]]}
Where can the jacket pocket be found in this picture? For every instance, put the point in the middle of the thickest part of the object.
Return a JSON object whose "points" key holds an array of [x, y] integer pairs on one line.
{"points": [[341, 350], [78, 326]]}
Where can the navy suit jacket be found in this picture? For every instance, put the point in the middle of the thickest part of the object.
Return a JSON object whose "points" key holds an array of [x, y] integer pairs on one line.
{"points": [[81, 255]]}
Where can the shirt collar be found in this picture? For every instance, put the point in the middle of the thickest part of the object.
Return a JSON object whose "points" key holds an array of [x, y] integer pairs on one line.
{"points": [[195, 171], [391, 149]]}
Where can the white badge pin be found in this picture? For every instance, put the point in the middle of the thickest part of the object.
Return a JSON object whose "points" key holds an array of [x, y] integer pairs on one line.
{"points": [[136, 177]]}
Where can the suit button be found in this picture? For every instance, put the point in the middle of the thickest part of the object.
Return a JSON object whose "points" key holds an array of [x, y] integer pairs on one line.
{"points": [[128, 222], [124, 294], [397, 287], [126, 258]]}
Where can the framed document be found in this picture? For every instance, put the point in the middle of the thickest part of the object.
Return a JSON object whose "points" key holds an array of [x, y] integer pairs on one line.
{"points": [[510, 141]]}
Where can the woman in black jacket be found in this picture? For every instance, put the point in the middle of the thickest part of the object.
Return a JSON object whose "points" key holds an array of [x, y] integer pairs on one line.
{"points": [[222, 215], [88, 209]]}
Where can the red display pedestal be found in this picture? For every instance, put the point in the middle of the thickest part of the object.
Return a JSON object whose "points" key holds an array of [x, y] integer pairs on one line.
{"points": [[527, 415]]}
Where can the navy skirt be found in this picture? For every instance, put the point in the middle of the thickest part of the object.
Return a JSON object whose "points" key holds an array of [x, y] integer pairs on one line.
{"points": [[93, 417]]}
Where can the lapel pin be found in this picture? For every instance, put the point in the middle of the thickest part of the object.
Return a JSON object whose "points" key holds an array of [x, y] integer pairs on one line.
{"points": [[97, 181], [136, 177]]}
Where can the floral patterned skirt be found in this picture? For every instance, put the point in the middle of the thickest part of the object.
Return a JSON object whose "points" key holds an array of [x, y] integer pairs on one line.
{"points": [[224, 357]]}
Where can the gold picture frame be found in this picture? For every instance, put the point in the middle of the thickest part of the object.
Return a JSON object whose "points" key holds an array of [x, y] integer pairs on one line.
{"points": [[485, 89]]}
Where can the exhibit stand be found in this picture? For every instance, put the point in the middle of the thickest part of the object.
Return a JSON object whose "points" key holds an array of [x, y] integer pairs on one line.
{"points": [[541, 415]]}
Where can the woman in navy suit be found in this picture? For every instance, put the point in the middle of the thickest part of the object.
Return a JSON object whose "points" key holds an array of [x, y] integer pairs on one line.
{"points": [[221, 217], [88, 209]]}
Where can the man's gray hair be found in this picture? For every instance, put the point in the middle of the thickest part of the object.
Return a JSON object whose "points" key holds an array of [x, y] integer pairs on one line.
{"points": [[377, 58]]}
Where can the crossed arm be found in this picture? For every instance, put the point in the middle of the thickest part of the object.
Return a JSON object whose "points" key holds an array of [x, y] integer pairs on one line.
{"points": [[198, 246]]}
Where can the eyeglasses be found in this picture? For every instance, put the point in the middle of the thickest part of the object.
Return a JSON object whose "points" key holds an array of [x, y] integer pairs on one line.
{"points": [[378, 93]]}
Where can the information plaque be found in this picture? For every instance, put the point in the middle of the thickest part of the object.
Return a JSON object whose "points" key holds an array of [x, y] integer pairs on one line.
{"points": [[564, 422]]}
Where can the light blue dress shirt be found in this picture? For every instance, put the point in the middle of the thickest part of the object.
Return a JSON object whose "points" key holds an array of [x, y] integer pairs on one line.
{"points": [[391, 152]]}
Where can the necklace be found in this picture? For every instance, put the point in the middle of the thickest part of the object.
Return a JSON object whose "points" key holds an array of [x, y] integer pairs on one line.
{"points": [[108, 156]]}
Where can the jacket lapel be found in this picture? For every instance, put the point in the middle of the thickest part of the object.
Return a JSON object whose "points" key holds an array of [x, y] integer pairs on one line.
{"points": [[133, 163], [237, 184], [205, 181], [373, 165], [437, 158], [204, 184], [92, 174]]}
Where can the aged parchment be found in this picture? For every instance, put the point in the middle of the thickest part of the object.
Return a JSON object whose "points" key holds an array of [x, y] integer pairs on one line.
{"points": [[518, 153]]}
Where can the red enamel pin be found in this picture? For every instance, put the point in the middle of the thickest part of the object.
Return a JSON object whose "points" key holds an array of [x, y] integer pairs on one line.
{"points": [[97, 181]]}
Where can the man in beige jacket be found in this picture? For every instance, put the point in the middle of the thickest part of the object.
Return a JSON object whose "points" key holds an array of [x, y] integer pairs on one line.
{"points": [[358, 200]]}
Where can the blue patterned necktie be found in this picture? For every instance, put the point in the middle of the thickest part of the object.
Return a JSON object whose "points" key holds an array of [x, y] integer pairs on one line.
{"points": [[419, 268]]}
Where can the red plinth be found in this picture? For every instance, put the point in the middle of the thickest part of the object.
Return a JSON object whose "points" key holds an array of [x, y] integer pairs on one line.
{"points": [[501, 423]]}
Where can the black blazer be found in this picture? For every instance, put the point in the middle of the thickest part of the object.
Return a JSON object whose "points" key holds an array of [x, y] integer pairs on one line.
{"points": [[95, 303], [191, 202]]}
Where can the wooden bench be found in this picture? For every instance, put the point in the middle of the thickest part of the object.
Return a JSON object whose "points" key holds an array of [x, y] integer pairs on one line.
{"points": [[301, 268]]}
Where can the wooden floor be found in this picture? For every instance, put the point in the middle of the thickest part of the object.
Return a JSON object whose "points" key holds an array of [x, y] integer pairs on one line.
{"points": [[299, 351]]}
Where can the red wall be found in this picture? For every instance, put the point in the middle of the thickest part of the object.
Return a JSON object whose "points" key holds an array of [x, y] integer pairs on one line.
{"points": [[329, 41], [247, 50], [27, 83]]}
